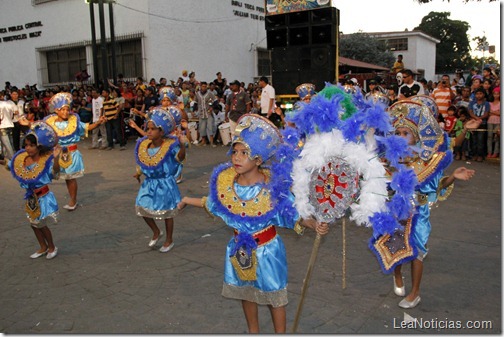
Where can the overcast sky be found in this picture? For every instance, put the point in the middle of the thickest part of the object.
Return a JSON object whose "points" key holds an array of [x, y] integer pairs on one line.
{"points": [[398, 15]]}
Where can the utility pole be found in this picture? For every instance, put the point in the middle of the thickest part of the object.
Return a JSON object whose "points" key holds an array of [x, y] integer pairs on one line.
{"points": [[96, 74], [103, 44]]}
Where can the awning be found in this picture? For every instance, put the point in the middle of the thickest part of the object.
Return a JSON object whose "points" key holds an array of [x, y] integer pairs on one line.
{"points": [[344, 61]]}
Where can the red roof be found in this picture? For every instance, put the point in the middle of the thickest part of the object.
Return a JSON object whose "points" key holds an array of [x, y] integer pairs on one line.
{"points": [[344, 61]]}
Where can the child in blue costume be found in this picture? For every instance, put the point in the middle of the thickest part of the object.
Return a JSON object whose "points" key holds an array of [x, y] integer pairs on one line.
{"points": [[432, 154], [69, 129], [158, 155], [255, 269], [168, 100], [34, 167]]}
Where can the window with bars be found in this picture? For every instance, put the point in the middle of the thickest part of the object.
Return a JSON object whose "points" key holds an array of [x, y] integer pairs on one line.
{"points": [[63, 64], [397, 44], [263, 62], [128, 58]]}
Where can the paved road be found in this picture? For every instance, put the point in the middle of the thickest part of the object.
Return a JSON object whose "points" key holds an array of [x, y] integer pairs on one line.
{"points": [[106, 280]]}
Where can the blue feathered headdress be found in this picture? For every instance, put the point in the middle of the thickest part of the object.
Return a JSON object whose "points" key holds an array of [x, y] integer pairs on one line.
{"points": [[60, 100], [259, 135], [162, 119], [45, 134]]}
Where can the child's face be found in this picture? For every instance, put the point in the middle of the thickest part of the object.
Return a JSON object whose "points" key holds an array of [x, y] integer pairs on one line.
{"points": [[63, 112], [479, 95], [462, 118], [241, 161], [165, 102], [31, 148], [406, 134], [451, 112], [153, 133]]}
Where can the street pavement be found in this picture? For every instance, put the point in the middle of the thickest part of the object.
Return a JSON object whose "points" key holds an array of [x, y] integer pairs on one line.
{"points": [[106, 280]]}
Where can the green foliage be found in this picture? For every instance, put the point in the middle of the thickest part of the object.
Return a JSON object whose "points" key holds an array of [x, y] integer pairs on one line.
{"points": [[453, 52], [363, 47]]}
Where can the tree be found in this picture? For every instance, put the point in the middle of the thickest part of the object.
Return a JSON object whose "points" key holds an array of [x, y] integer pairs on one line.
{"points": [[363, 47], [465, 1], [453, 52]]}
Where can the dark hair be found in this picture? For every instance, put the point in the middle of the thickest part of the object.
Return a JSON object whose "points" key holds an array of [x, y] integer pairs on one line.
{"points": [[203, 83], [480, 89], [462, 111], [264, 79], [407, 72], [488, 80], [452, 108], [32, 139]]}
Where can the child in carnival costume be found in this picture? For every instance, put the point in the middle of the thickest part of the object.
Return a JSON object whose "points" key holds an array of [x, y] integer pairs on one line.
{"points": [[248, 197], [34, 167], [159, 156], [69, 129], [430, 154]]}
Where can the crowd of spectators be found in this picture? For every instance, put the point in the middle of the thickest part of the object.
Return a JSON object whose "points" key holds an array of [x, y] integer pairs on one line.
{"points": [[458, 100], [32, 103]]}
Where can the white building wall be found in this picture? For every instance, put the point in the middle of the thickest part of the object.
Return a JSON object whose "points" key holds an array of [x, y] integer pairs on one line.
{"points": [[204, 36]]}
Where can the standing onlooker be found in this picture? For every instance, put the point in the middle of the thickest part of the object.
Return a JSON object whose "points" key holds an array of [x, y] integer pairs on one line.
{"points": [[398, 65], [473, 72], [205, 100], [220, 83], [6, 126], [443, 95], [464, 98], [459, 77], [479, 109], [267, 97], [494, 125], [450, 119], [237, 104], [151, 99], [461, 150], [18, 113], [487, 85], [110, 110], [425, 85], [410, 87], [117, 123], [97, 110]]}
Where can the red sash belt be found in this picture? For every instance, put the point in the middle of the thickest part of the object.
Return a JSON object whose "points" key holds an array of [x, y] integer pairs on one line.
{"points": [[40, 192], [72, 147], [263, 236]]}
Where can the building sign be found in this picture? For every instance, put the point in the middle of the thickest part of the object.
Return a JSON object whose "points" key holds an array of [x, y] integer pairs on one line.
{"points": [[246, 10], [17, 33], [287, 6]]}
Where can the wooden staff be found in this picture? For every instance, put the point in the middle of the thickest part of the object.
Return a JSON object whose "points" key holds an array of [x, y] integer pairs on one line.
{"points": [[343, 258], [306, 281]]}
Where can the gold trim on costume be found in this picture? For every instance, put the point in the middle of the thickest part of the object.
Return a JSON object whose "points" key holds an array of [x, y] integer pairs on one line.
{"points": [[449, 189], [68, 131], [29, 174], [389, 259], [226, 194], [423, 169], [151, 161], [298, 228]]}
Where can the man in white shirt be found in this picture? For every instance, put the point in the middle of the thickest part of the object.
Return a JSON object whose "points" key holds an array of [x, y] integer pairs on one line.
{"points": [[267, 97], [97, 106], [6, 126], [18, 113]]}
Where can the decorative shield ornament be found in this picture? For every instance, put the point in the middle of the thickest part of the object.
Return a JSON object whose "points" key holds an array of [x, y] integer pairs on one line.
{"points": [[334, 187]]}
